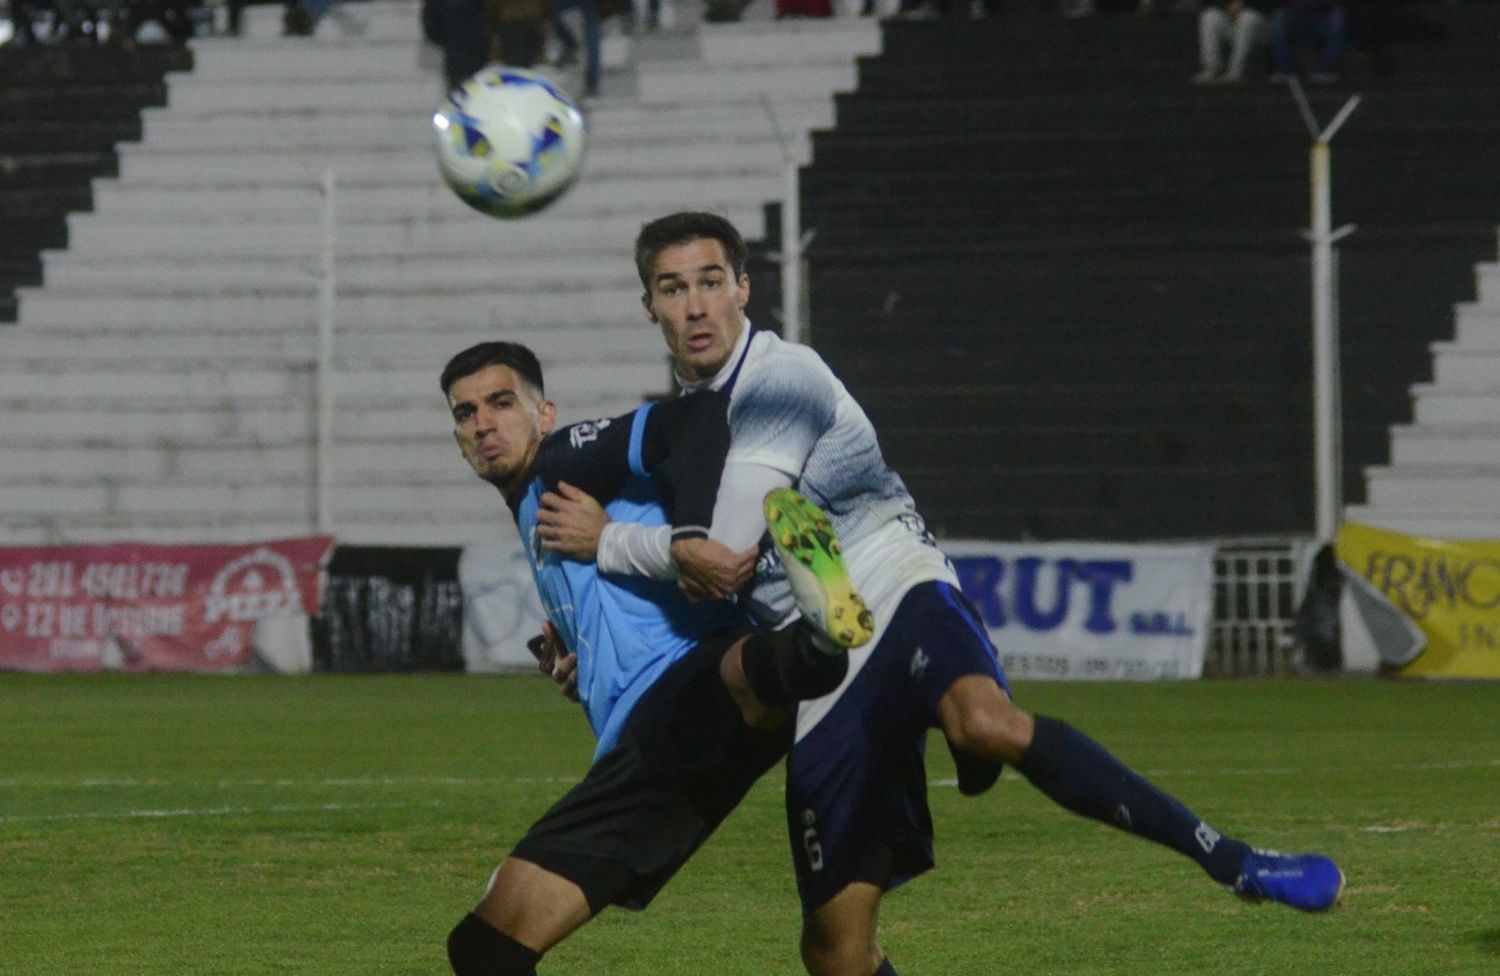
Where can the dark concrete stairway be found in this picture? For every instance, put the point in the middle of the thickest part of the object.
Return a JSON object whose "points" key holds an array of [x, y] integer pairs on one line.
{"points": [[1069, 287], [63, 110]]}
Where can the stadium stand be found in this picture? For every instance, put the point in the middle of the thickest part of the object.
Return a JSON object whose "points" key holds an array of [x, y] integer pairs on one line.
{"points": [[1070, 289], [62, 112], [1443, 479], [160, 384]]}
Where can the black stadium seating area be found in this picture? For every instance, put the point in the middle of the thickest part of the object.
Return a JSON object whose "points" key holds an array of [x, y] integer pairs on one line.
{"points": [[63, 110], [1070, 289]]}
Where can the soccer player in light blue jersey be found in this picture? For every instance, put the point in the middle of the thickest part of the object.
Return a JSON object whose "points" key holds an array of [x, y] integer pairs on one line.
{"points": [[857, 810], [688, 706]]}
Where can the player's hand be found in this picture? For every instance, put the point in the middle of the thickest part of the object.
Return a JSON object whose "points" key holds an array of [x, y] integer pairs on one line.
{"points": [[547, 649], [709, 570], [565, 673], [569, 522]]}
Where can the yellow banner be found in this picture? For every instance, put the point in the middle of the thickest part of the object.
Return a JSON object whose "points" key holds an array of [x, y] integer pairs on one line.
{"points": [[1447, 592]]}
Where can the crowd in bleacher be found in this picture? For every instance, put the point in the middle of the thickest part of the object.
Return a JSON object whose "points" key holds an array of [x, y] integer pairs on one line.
{"points": [[1238, 40], [33, 22]]}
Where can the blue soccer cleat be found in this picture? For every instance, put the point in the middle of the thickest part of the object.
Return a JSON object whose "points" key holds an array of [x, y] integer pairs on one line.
{"points": [[1306, 882]]}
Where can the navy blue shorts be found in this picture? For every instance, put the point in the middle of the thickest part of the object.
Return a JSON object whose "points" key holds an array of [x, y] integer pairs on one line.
{"points": [[856, 797]]}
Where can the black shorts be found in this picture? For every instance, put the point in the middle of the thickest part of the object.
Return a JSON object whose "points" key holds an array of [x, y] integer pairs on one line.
{"points": [[684, 760]]}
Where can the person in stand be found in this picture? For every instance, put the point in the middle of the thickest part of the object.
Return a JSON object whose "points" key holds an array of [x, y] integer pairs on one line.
{"points": [[1239, 27], [1322, 25]]}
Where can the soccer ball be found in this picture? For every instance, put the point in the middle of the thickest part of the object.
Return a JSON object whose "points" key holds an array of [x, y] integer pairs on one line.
{"points": [[509, 141]]}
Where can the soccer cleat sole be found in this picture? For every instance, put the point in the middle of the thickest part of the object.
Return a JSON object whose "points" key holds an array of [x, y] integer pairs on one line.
{"points": [[810, 552]]}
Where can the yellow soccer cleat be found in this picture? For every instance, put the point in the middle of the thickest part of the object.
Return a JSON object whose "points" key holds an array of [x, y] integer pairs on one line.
{"points": [[810, 552]]}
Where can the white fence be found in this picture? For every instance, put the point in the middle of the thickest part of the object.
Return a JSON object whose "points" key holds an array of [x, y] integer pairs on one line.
{"points": [[1258, 585]]}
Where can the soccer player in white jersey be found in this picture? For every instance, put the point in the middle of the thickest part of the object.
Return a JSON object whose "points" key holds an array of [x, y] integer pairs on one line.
{"points": [[856, 793]]}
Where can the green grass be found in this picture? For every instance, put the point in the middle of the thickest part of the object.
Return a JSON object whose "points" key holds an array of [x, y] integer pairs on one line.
{"points": [[340, 825]]}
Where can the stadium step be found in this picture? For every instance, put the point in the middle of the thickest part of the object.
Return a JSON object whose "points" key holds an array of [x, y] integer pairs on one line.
{"points": [[1421, 521], [42, 170], [426, 195], [19, 269], [1451, 404], [263, 383], [838, 39], [80, 103], [459, 232], [389, 528], [185, 498], [185, 421], [1439, 488], [1457, 364], [483, 302], [614, 124], [582, 342], [401, 166], [94, 65], [1188, 440], [67, 274], [20, 138], [1488, 278], [1478, 326], [1445, 445], [677, 84]]}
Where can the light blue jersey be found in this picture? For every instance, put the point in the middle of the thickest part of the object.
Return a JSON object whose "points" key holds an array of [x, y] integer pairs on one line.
{"points": [[626, 630]]}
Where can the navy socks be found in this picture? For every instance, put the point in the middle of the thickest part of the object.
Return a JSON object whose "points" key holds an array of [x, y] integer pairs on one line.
{"points": [[1081, 775]]}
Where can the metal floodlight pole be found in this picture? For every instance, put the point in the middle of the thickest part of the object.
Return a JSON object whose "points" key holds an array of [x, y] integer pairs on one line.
{"points": [[327, 298], [791, 254], [1328, 470], [793, 241]]}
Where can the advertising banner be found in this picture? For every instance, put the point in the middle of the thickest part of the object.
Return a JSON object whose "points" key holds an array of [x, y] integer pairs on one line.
{"points": [[139, 607], [1431, 608], [1091, 611]]}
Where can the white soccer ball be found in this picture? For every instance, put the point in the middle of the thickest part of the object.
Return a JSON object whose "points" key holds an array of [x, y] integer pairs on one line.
{"points": [[509, 141]]}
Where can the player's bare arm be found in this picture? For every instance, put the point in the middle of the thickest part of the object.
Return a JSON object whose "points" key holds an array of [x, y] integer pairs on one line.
{"points": [[709, 570]]}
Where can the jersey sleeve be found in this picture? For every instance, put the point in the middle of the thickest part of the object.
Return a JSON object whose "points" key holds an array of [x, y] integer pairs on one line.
{"points": [[777, 418], [680, 443], [739, 518], [594, 455], [686, 445]]}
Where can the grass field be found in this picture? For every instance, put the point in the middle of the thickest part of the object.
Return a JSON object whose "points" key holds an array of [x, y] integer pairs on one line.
{"points": [[340, 825]]}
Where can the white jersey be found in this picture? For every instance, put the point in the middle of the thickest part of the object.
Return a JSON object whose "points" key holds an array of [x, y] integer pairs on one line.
{"points": [[788, 412]]}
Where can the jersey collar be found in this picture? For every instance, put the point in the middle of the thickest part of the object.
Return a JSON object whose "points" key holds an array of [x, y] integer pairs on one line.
{"points": [[724, 379]]}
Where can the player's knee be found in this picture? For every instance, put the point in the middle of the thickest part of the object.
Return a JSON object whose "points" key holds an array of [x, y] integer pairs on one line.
{"points": [[846, 953], [995, 730], [476, 948]]}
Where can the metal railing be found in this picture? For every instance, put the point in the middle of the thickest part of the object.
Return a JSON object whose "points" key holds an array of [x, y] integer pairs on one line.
{"points": [[1258, 585]]}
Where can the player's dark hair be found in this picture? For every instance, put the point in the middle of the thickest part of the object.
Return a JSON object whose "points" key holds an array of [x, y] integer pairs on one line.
{"points": [[684, 228], [486, 354]]}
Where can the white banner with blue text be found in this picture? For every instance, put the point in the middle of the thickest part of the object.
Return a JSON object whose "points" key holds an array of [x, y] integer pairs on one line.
{"points": [[1091, 611]]}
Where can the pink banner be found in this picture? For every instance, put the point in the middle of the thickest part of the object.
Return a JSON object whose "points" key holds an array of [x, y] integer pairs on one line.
{"points": [[150, 607]]}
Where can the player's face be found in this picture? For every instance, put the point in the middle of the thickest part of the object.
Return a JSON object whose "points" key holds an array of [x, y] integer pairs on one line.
{"points": [[699, 304], [499, 423]]}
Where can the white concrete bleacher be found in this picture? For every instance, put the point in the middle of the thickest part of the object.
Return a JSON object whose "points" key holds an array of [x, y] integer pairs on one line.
{"points": [[1444, 477], [160, 385]]}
